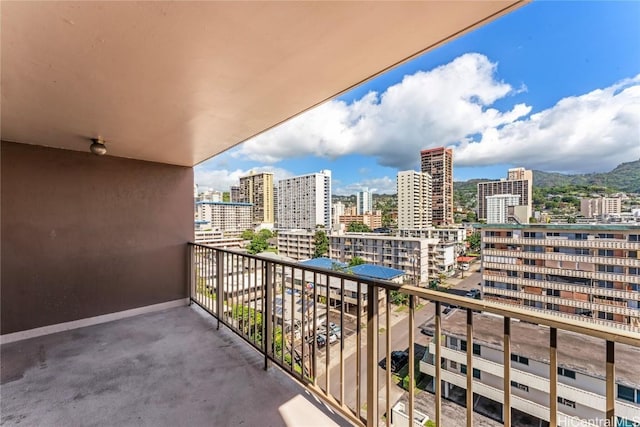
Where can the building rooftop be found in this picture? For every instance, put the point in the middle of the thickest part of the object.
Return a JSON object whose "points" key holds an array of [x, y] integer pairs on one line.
{"points": [[376, 271], [594, 227], [323, 262], [577, 352], [224, 203]]}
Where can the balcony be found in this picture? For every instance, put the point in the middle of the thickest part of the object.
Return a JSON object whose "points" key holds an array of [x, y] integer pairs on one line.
{"points": [[345, 374], [165, 368]]}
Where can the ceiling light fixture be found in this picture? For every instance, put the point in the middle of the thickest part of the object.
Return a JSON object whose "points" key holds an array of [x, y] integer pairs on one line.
{"points": [[97, 147]]}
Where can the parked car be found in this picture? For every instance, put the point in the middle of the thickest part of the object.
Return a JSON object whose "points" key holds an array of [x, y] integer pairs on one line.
{"points": [[426, 331], [398, 360], [473, 293], [321, 339], [447, 310]]}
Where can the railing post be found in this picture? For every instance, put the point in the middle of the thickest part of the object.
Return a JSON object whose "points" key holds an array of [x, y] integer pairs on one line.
{"points": [[267, 315], [611, 384], [506, 406], [191, 266], [437, 362], [372, 355], [469, 367], [219, 285], [553, 377]]}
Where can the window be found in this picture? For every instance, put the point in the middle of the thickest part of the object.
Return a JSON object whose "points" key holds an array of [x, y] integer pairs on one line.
{"points": [[605, 252], [606, 236], [529, 262], [626, 393], [605, 315], [553, 292], [605, 284], [453, 365], [476, 349], [567, 402], [476, 373], [520, 386], [567, 373], [520, 359], [633, 254], [634, 237], [463, 369], [635, 271]]}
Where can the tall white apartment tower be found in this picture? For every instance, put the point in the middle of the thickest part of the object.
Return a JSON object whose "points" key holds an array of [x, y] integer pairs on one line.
{"points": [[364, 201], [305, 201], [337, 210], [519, 182], [498, 207], [414, 200]]}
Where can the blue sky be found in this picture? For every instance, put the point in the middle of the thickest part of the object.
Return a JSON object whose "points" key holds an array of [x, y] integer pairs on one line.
{"points": [[553, 86]]}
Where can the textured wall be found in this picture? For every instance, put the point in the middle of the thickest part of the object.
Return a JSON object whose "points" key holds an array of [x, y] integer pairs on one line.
{"points": [[84, 235]]}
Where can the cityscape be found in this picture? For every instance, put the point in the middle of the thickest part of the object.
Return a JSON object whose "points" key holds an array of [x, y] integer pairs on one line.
{"points": [[318, 214], [584, 267]]}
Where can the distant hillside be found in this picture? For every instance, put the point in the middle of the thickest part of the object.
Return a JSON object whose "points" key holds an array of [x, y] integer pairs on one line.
{"points": [[625, 177]]}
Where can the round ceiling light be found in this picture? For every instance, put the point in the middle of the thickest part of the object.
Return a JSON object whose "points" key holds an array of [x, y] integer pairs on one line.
{"points": [[97, 147]]}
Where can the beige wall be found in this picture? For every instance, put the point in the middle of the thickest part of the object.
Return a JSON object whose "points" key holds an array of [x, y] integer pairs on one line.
{"points": [[84, 235]]}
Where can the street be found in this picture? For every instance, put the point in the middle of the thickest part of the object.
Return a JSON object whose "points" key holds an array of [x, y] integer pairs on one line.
{"points": [[399, 341]]}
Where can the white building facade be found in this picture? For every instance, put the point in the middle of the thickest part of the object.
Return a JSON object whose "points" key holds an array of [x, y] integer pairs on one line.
{"points": [[498, 207], [304, 202], [226, 216], [414, 200], [364, 202]]}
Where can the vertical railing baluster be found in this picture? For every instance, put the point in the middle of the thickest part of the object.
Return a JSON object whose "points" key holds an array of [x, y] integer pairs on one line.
{"points": [[506, 406], [611, 383], [255, 298], [388, 356], [314, 348], [372, 355], [436, 381], [293, 324], [469, 367], [219, 286], [342, 342], [358, 351], [327, 376], [412, 355], [283, 346], [304, 327], [267, 312], [553, 377]]}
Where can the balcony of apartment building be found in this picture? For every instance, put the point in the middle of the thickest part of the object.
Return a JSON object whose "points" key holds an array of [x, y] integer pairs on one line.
{"points": [[109, 315]]}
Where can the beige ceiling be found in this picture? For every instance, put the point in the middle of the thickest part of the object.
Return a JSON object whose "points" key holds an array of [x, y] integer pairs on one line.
{"points": [[179, 82]]}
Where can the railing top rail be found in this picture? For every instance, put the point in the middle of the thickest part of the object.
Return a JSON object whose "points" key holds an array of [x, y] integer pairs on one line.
{"points": [[591, 329]]}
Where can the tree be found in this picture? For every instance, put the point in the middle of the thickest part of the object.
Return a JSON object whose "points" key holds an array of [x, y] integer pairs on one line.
{"points": [[321, 242], [358, 227], [247, 235], [356, 260], [257, 245], [471, 216], [474, 241], [265, 234]]}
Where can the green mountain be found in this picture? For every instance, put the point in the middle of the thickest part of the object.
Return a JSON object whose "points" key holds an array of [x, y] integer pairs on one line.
{"points": [[625, 177]]}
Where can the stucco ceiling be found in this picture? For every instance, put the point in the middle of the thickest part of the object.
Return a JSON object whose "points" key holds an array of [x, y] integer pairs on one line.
{"points": [[179, 82]]}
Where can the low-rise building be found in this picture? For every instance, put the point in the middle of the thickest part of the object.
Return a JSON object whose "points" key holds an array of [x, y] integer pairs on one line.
{"points": [[590, 272], [581, 380]]}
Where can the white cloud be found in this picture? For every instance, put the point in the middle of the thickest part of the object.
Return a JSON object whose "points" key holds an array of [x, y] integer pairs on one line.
{"points": [[426, 109], [591, 132], [451, 105], [384, 185], [223, 179]]}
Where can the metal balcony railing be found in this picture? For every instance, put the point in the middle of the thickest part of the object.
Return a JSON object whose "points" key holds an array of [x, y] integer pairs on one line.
{"points": [[283, 309]]}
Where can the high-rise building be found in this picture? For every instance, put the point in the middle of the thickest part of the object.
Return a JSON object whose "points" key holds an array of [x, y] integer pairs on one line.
{"points": [[364, 201], [587, 272], [225, 216], [257, 188], [438, 162], [519, 182], [600, 207], [305, 201], [337, 210], [498, 207], [414, 200], [235, 193]]}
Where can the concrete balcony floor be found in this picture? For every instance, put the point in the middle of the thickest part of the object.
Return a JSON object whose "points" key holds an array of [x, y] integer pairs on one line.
{"points": [[169, 368]]}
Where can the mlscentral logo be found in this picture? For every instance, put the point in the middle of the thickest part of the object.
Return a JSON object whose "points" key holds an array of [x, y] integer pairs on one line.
{"points": [[600, 422]]}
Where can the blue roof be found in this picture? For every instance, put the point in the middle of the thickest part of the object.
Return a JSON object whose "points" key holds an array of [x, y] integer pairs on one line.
{"points": [[376, 271], [370, 271], [323, 262]]}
